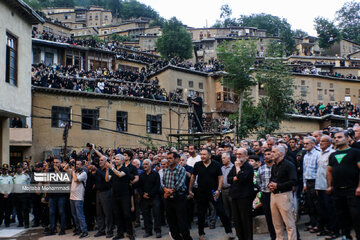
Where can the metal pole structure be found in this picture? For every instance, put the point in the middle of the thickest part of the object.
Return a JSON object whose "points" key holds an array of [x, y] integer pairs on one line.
{"points": [[170, 118], [178, 131]]}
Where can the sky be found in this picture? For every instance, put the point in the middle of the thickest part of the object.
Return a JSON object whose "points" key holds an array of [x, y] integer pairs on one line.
{"points": [[202, 13]]}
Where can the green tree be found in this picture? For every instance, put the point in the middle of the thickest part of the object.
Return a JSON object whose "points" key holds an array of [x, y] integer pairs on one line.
{"points": [[348, 18], [327, 32], [34, 4], [175, 41], [298, 33], [238, 60], [274, 26], [276, 80], [63, 3]]}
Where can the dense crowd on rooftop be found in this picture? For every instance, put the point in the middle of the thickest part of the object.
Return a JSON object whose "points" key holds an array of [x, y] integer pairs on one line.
{"points": [[122, 83], [338, 108]]}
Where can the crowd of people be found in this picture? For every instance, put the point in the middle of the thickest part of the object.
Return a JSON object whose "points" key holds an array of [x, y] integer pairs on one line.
{"points": [[122, 83], [310, 68], [338, 108], [112, 188]]}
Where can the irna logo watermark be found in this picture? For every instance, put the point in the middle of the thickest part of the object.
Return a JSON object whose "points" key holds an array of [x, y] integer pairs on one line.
{"points": [[52, 177]]}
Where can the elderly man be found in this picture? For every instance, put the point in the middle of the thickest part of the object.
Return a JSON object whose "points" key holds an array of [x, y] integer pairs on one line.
{"points": [[324, 204], [149, 189], [225, 169], [103, 197], [310, 165], [317, 135], [282, 181], [241, 178], [271, 141]]}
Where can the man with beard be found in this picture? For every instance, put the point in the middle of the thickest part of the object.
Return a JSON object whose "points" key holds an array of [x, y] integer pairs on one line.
{"points": [[343, 182], [149, 190], [241, 178], [209, 190], [263, 180], [118, 175]]}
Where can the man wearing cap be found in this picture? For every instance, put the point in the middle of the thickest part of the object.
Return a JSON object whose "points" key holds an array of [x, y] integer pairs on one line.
{"points": [[6, 186], [21, 200]]}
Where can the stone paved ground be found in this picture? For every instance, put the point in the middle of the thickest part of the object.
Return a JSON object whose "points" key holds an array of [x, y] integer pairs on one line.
{"points": [[212, 234]]}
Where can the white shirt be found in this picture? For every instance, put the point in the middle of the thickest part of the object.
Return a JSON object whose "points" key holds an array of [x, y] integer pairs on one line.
{"points": [[77, 190], [192, 160], [323, 163], [6, 184]]}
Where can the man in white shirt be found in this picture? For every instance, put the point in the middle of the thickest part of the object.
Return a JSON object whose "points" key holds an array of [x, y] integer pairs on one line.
{"points": [[6, 187], [194, 156], [77, 192]]}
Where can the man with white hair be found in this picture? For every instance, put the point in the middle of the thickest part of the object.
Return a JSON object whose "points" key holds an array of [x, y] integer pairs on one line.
{"points": [[149, 189], [310, 166], [227, 166], [282, 180], [241, 178]]}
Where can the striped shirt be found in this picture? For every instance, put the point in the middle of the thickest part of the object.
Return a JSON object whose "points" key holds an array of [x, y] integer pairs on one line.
{"points": [[310, 165], [175, 179], [263, 177]]}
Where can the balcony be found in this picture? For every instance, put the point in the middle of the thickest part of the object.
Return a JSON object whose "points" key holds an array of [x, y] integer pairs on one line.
{"points": [[21, 137], [226, 107]]}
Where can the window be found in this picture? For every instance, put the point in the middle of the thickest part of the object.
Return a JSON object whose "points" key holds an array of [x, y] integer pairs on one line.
{"points": [[60, 116], [320, 95], [303, 82], [191, 93], [331, 94], [90, 119], [325, 91], [11, 59], [303, 91], [191, 84], [201, 85], [121, 121], [90, 17], [347, 91], [96, 17], [153, 124], [331, 85], [179, 82], [319, 84]]}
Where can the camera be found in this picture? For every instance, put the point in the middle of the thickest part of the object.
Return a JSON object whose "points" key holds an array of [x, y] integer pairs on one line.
{"points": [[350, 132], [89, 145], [189, 99]]}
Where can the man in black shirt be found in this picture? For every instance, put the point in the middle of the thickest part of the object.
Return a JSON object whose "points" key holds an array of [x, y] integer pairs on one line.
{"points": [[209, 189], [282, 182], [149, 190], [242, 194], [343, 181], [198, 111], [134, 178], [118, 175], [103, 198]]}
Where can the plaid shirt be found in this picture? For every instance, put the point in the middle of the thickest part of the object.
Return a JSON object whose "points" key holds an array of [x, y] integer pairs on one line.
{"points": [[310, 165], [263, 177], [175, 179]]}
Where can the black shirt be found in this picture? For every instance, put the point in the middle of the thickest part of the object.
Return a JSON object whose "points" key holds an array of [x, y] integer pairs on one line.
{"points": [[120, 185], [149, 184], [345, 171], [284, 174], [207, 176], [243, 187], [132, 171], [198, 108], [99, 179]]}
